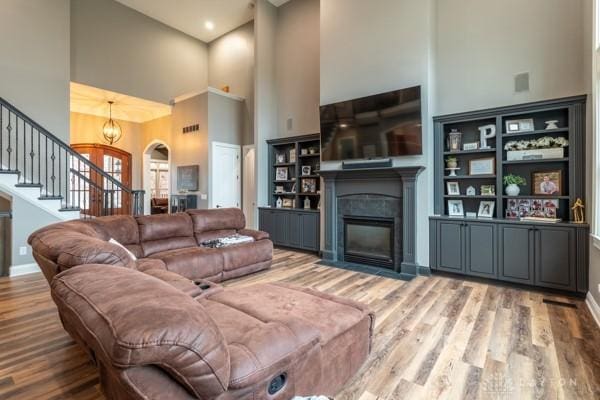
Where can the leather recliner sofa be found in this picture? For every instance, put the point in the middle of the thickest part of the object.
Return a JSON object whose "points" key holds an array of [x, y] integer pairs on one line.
{"points": [[158, 329]]}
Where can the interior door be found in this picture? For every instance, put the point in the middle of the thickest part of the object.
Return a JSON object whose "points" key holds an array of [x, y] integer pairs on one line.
{"points": [[225, 172]]}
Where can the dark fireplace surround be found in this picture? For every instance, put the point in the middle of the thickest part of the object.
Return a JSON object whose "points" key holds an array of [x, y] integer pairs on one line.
{"points": [[379, 197]]}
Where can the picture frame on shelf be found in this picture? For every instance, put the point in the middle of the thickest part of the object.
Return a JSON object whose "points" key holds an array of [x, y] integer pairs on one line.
{"points": [[280, 158], [453, 188], [455, 208], [482, 166], [488, 190], [471, 191], [292, 157], [279, 189], [512, 214], [288, 203], [547, 183], [306, 170], [486, 209], [470, 146], [281, 174], [309, 185], [519, 125]]}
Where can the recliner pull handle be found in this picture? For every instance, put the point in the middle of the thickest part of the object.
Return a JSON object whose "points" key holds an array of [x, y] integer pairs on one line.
{"points": [[277, 383]]}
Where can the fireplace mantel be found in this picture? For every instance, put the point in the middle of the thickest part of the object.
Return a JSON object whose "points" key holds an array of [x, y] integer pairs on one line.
{"points": [[399, 182]]}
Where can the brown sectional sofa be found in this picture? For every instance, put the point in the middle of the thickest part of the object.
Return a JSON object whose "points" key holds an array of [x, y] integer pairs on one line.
{"points": [[159, 327]]}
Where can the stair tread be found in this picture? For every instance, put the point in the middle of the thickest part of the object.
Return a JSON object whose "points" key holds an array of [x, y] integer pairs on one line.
{"points": [[9, 171], [50, 198], [33, 185], [64, 209]]}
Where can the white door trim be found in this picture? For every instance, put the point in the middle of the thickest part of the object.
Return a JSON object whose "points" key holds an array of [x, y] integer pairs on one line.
{"points": [[249, 203], [211, 182]]}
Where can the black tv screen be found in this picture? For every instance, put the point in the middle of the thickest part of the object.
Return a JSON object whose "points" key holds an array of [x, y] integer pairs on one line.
{"points": [[382, 125]]}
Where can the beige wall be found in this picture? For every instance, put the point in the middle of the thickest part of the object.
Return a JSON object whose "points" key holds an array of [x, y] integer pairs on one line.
{"points": [[116, 48], [297, 67], [231, 62], [87, 128]]}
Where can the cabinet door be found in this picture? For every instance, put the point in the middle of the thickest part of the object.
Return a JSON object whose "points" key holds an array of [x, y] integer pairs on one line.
{"points": [[295, 230], [265, 221], [516, 253], [310, 232], [555, 257], [450, 246], [480, 250], [281, 228]]}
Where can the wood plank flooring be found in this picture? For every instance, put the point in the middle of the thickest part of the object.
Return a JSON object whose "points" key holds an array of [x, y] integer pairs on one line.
{"points": [[435, 338]]}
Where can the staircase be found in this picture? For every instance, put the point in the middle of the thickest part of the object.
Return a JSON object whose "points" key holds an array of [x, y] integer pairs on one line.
{"points": [[40, 168]]}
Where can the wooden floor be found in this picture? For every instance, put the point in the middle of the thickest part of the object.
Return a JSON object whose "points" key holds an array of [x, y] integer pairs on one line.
{"points": [[435, 337]]}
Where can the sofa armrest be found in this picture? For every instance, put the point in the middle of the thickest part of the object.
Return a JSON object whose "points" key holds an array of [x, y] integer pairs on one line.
{"points": [[147, 264], [131, 319], [256, 235]]}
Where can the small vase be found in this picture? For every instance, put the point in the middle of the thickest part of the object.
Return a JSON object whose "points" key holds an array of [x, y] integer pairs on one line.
{"points": [[512, 190], [451, 164]]}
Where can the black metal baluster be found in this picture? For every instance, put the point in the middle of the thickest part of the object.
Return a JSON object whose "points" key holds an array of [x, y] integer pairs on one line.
{"points": [[24, 147], [9, 149], [59, 172], [17, 145], [1, 136], [39, 159], [53, 176], [32, 154], [46, 169]]}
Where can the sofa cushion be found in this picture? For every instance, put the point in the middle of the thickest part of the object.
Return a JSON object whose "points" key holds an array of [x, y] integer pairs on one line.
{"points": [[241, 255], [143, 321], [76, 249], [258, 348], [164, 232], [123, 228], [217, 219], [43, 240], [193, 262]]}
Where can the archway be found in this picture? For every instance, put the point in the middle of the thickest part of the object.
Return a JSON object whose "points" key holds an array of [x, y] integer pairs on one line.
{"points": [[153, 148]]}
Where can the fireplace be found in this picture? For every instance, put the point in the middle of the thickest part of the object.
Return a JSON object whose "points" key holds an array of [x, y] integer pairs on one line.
{"points": [[369, 241]]}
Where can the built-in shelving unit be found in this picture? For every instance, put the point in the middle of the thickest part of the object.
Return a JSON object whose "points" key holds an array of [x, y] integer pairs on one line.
{"points": [[503, 246], [293, 217]]}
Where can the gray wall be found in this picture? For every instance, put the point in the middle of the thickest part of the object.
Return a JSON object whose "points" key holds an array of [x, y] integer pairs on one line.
{"points": [[265, 96], [34, 66], [34, 61], [191, 148], [231, 62], [297, 67], [476, 61], [225, 119], [116, 48]]}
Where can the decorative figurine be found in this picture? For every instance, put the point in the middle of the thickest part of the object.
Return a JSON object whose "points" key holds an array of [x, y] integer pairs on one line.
{"points": [[306, 203], [552, 124], [279, 203], [486, 132], [471, 191], [578, 214]]}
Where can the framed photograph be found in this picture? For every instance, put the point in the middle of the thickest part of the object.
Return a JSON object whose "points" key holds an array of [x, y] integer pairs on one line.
{"points": [[512, 205], [537, 204], [519, 125], [281, 174], [550, 212], [292, 155], [524, 212], [280, 158], [525, 203], [455, 208], [279, 189], [512, 214], [288, 203], [547, 183], [482, 166], [309, 185], [488, 190], [471, 146], [550, 203], [306, 170], [486, 209], [453, 188], [188, 178]]}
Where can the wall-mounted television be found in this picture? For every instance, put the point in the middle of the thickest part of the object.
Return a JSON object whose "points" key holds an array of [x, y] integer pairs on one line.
{"points": [[378, 126]]}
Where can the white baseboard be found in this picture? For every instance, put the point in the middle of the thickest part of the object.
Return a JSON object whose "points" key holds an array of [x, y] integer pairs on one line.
{"points": [[23, 269], [594, 307]]}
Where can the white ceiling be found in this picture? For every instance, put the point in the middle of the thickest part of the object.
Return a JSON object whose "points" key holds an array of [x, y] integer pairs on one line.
{"points": [[189, 16], [90, 100]]}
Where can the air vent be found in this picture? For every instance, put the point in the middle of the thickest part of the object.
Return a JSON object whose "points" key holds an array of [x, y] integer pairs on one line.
{"points": [[522, 82], [191, 128], [559, 303]]}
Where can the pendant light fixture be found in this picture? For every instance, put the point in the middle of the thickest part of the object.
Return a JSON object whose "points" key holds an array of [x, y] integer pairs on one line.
{"points": [[111, 129]]}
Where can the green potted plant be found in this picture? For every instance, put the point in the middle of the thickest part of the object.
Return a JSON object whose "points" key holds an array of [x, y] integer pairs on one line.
{"points": [[512, 183], [451, 162]]}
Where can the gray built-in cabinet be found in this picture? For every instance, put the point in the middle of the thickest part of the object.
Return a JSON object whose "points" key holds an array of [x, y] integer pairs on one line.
{"points": [[293, 225], [542, 254]]}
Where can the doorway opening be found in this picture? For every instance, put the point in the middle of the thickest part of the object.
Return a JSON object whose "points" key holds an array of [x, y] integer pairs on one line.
{"points": [[156, 180]]}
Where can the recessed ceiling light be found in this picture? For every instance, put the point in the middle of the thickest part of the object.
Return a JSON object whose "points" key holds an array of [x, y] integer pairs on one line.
{"points": [[209, 25]]}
